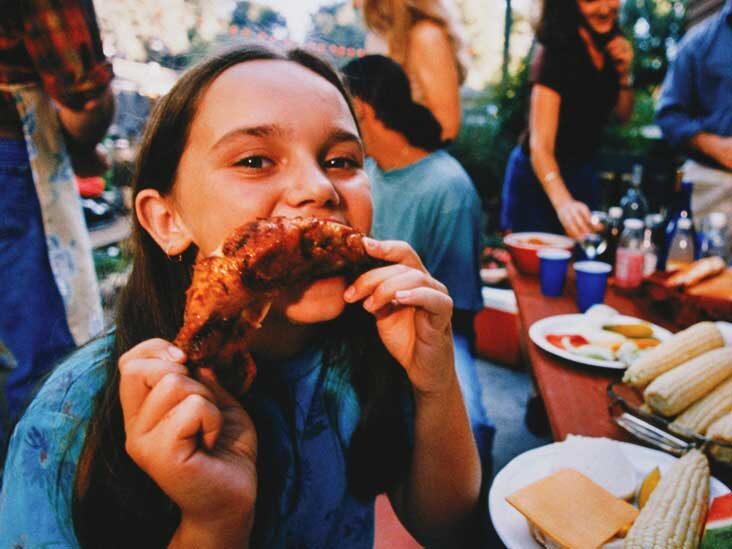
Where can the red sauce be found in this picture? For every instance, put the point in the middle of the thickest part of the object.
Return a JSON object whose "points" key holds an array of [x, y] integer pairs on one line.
{"points": [[574, 340]]}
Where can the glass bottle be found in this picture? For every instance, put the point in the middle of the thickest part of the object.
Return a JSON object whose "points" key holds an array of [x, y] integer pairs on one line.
{"points": [[681, 251], [650, 250], [714, 240], [630, 258], [681, 209], [634, 203], [614, 228]]}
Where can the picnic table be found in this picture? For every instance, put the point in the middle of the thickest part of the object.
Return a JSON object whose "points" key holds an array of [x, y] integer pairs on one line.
{"points": [[575, 396]]}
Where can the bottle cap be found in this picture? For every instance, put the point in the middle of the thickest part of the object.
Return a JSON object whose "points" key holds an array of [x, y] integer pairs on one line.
{"points": [[684, 223], [633, 224], [616, 212]]}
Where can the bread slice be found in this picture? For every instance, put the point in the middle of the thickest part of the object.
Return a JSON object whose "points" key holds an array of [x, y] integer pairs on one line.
{"points": [[602, 460], [572, 511]]}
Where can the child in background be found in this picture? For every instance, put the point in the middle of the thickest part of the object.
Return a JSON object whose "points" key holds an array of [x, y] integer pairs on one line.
{"points": [[356, 392]]}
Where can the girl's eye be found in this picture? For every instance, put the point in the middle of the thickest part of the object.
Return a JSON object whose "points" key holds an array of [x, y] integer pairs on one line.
{"points": [[254, 162], [342, 162]]}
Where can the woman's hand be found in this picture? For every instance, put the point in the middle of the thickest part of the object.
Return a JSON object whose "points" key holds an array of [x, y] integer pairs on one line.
{"points": [[576, 218], [194, 440], [413, 313], [621, 52]]}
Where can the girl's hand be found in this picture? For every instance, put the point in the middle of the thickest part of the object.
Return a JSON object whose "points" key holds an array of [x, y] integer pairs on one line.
{"points": [[576, 218], [413, 313], [193, 439], [621, 52]]}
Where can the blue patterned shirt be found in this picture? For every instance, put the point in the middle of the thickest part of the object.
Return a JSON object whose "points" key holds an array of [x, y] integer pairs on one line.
{"points": [[307, 503]]}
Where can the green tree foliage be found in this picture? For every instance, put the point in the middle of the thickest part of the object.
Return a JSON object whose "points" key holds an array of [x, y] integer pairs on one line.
{"points": [[492, 123], [257, 17], [655, 28], [337, 23]]}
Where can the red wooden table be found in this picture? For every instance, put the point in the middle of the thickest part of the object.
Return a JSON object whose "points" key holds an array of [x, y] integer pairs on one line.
{"points": [[575, 396]]}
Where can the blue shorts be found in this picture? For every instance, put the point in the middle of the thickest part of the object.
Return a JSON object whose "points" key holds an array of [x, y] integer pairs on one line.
{"points": [[32, 317]]}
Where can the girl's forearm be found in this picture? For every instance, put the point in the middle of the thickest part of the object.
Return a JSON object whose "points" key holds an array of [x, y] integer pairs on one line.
{"points": [[547, 172], [444, 483]]}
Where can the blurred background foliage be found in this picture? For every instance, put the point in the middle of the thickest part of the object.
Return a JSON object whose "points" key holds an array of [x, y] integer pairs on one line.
{"points": [[499, 41]]}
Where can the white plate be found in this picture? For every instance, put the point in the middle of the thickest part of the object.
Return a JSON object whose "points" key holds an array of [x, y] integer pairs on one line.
{"points": [[538, 463], [565, 324]]}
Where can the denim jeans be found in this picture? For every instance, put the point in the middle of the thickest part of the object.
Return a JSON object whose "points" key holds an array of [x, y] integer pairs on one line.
{"points": [[32, 317], [524, 204]]}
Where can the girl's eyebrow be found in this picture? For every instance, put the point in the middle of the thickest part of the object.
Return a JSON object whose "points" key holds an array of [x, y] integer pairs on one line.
{"points": [[338, 135], [264, 130]]}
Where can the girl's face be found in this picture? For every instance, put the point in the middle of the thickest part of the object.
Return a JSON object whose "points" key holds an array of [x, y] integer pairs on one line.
{"points": [[271, 138], [600, 15]]}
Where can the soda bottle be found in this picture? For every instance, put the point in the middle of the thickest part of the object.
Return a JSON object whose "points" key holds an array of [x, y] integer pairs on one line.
{"points": [[681, 251], [629, 258], [681, 209]]}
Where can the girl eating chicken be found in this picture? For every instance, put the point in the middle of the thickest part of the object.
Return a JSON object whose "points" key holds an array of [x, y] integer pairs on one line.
{"points": [[355, 392]]}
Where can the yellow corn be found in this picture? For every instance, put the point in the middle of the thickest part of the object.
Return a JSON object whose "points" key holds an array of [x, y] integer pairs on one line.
{"points": [[700, 415], [674, 515], [721, 431], [675, 350], [677, 389]]}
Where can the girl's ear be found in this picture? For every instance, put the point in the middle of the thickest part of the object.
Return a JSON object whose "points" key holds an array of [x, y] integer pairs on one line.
{"points": [[158, 217]]}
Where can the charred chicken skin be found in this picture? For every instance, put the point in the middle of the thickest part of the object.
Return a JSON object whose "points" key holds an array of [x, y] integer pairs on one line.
{"points": [[231, 293]]}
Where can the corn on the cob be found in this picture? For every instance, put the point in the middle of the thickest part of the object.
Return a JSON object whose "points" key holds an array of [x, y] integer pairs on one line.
{"points": [[721, 431], [677, 389], [700, 415], [674, 515], [677, 349]]}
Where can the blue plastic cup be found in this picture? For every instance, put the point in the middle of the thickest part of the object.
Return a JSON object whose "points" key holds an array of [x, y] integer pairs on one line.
{"points": [[591, 281], [553, 270]]}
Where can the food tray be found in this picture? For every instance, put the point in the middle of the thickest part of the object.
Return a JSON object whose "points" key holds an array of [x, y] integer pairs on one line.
{"points": [[708, 300], [625, 410]]}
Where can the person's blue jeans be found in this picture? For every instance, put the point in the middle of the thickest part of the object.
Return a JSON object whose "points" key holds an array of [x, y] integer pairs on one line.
{"points": [[524, 204], [33, 323]]}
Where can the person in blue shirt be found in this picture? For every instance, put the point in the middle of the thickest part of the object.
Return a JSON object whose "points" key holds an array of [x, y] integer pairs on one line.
{"points": [[423, 195], [694, 111], [695, 106], [356, 393]]}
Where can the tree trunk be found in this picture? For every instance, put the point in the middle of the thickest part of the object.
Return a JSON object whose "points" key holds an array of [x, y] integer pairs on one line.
{"points": [[508, 23]]}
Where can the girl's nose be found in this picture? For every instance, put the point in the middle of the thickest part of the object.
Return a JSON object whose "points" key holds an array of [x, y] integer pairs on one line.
{"points": [[312, 188]]}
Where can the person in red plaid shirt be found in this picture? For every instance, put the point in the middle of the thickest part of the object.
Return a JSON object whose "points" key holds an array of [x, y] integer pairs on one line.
{"points": [[55, 106]]}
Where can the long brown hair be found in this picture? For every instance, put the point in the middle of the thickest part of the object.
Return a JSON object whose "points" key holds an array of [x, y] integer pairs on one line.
{"points": [[393, 19], [115, 503]]}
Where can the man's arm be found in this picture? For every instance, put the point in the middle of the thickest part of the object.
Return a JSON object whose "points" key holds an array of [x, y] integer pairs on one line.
{"points": [[677, 104], [715, 146]]}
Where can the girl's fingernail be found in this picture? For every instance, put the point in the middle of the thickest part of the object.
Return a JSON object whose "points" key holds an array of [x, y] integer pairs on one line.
{"points": [[403, 294], [349, 293], [175, 353], [368, 303], [369, 242]]}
